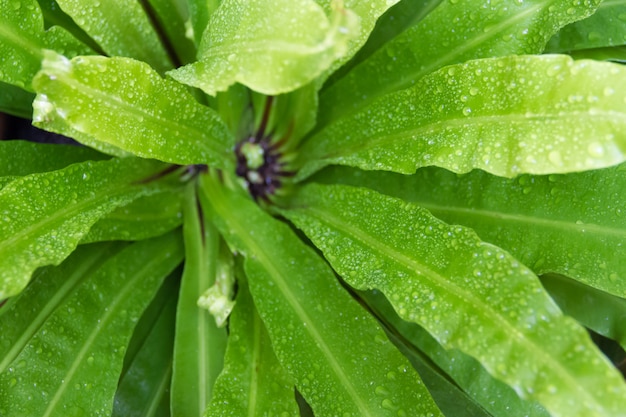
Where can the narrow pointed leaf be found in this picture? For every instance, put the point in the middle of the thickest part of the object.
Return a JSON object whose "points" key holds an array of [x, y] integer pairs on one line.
{"points": [[16, 101], [271, 46], [121, 28], [606, 27], [313, 322], [22, 317], [23, 39], [170, 17], [604, 313], [44, 216], [468, 294], [199, 344], [125, 104], [574, 224], [253, 382], [452, 33], [512, 115], [146, 217], [143, 389], [73, 362], [20, 157], [200, 12]]}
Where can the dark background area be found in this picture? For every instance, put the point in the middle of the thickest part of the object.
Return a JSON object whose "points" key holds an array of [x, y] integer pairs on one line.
{"points": [[12, 127]]}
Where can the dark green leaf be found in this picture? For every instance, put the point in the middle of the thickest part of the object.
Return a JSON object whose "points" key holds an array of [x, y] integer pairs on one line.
{"points": [[468, 294], [606, 27], [452, 33], [253, 382], [44, 216], [313, 322], [200, 12], [123, 104], [199, 344], [19, 157], [16, 101], [512, 115], [170, 16], [143, 389], [72, 363]]}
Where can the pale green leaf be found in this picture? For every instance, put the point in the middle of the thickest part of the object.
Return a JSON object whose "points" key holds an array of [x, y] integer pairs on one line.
{"points": [[604, 313], [199, 344], [16, 101], [143, 388], [507, 116], [121, 28], [72, 363], [124, 103], [572, 224], [606, 27], [456, 31], [54, 16], [23, 39], [468, 294], [44, 216], [313, 322], [20, 157], [253, 382], [271, 46], [146, 217]]}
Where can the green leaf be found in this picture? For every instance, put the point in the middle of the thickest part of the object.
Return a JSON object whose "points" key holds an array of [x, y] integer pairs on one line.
{"points": [[44, 216], [16, 101], [468, 294], [200, 12], [121, 28], [125, 104], [454, 32], [572, 224], [512, 115], [20, 157], [199, 344], [615, 54], [54, 16], [72, 364], [271, 46], [494, 397], [143, 389], [23, 315], [170, 17], [23, 39], [601, 312], [312, 321], [253, 382], [606, 27], [146, 217]]}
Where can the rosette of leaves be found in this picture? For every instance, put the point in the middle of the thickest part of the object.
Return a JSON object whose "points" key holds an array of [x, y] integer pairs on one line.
{"points": [[381, 208]]}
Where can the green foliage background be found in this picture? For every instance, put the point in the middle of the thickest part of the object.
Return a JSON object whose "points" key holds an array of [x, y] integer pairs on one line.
{"points": [[428, 217]]}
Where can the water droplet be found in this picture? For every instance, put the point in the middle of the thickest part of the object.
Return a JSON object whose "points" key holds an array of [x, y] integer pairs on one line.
{"points": [[467, 111], [555, 158], [595, 150], [473, 91], [382, 391], [90, 360]]}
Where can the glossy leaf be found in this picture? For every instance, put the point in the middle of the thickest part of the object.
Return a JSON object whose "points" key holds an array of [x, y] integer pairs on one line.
{"points": [[54, 16], [573, 224], [200, 12], [604, 313], [253, 382], [507, 116], [199, 345], [23, 39], [615, 54], [468, 294], [23, 316], [606, 27], [19, 157], [313, 322], [44, 216], [125, 104], [452, 33], [143, 389], [73, 362], [144, 218], [170, 16], [16, 101], [493, 397], [121, 28], [271, 46]]}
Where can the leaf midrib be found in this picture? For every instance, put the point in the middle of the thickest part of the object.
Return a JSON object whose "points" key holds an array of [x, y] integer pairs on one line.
{"points": [[438, 280]]}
